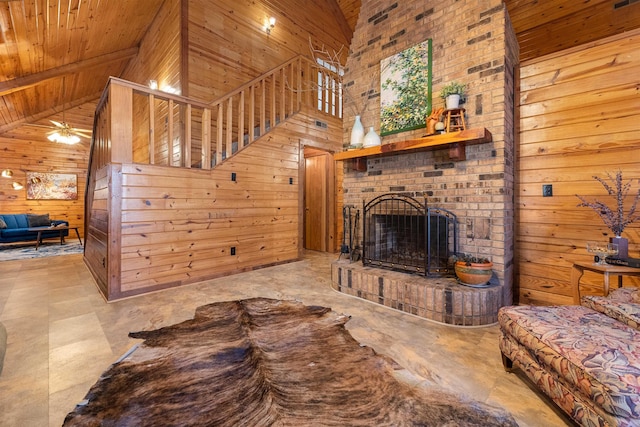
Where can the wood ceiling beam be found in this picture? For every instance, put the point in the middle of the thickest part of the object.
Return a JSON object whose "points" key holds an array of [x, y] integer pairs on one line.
{"points": [[30, 80], [50, 112]]}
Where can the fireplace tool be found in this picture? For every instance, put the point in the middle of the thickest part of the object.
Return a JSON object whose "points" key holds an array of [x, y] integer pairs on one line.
{"points": [[353, 233], [344, 248]]}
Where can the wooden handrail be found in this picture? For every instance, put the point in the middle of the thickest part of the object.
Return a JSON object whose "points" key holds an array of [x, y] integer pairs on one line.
{"points": [[236, 119]]}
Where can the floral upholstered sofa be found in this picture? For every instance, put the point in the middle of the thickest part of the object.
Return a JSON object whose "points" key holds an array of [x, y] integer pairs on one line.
{"points": [[585, 358]]}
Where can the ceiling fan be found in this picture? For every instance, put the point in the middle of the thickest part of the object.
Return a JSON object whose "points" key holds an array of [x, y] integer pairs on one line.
{"points": [[62, 132]]}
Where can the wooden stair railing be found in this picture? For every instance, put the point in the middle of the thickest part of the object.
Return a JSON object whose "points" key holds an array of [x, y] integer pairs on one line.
{"points": [[135, 124]]}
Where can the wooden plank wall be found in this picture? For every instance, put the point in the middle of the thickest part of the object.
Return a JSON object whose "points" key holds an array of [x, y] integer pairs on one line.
{"points": [[178, 225], [304, 126], [579, 118], [26, 149], [227, 46], [159, 57]]}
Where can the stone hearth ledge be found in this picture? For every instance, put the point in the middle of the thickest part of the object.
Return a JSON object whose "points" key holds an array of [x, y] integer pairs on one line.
{"points": [[439, 299]]}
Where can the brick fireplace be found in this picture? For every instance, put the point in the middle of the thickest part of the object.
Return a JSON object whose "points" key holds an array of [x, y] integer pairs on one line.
{"points": [[473, 43]]}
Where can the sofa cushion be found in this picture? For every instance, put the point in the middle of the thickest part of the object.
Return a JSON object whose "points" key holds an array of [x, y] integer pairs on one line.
{"points": [[17, 232], [597, 354], [38, 220], [2, 224], [16, 220]]}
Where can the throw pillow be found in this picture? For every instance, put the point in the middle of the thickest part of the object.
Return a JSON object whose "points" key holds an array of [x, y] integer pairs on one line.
{"points": [[38, 220], [2, 224]]}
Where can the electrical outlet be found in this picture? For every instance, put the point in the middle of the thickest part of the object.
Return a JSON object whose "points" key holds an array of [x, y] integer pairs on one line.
{"points": [[290, 181], [233, 250], [233, 176], [547, 190]]}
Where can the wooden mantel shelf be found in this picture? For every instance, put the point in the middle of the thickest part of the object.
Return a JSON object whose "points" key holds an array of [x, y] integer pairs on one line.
{"points": [[458, 139]]}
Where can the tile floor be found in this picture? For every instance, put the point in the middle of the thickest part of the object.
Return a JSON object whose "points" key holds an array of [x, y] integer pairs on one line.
{"points": [[62, 335]]}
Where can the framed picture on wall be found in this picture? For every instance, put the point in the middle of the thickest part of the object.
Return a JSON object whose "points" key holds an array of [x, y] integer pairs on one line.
{"points": [[52, 186], [405, 89]]}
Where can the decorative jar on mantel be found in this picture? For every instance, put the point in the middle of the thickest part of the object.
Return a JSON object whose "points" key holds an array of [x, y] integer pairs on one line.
{"points": [[371, 139], [357, 134]]}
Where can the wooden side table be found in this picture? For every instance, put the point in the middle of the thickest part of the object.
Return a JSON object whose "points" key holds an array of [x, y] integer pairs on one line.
{"points": [[606, 270]]}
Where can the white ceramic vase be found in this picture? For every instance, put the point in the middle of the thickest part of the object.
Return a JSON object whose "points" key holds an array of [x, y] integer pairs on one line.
{"points": [[371, 139], [357, 133]]}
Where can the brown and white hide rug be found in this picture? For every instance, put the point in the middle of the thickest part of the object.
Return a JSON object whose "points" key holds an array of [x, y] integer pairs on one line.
{"points": [[264, 362]]}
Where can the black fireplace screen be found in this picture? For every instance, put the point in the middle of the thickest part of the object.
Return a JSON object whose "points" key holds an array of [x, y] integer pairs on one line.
{"points": [[400, 233]]}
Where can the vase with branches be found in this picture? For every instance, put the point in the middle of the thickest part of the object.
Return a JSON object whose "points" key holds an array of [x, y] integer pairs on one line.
{"points": [[616, 219]]}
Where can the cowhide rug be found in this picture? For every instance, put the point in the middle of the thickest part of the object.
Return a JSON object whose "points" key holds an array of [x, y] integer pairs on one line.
{"points": [[263, 362]]}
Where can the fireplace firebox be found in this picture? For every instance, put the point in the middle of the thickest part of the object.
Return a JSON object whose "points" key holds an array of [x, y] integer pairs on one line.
{"points": [[401, 233]]}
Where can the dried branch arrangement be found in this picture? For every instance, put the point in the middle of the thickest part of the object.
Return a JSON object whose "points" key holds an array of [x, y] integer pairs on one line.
{"points": [[615, 219], [331, 60]]}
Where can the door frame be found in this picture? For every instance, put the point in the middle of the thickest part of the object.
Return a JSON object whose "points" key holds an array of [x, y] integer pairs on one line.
{"points": [[330, 197]]}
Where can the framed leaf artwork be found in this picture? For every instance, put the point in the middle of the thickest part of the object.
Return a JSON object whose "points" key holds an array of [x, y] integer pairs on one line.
{"points": [[405, 92]]}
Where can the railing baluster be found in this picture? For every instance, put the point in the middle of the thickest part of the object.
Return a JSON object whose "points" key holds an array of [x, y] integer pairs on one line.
{"points": [[291, 87], [283, 102], [241, 121], [170, 149], [263, 108], [152, 130], [306, 79], [206, 139], [219, 126], [273, 101], [252, 112], [229, 139], [187, 137]]}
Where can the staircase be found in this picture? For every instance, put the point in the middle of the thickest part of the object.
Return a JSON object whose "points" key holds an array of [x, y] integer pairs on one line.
{"points": [[158, 128], [144, 223]]}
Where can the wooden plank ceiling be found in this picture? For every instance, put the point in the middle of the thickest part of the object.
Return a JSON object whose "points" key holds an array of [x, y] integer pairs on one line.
{"points": [[58, 54], [547, 26]]}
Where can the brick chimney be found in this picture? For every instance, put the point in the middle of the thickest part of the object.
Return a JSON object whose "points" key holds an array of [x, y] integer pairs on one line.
{"points": [[473, 43]]}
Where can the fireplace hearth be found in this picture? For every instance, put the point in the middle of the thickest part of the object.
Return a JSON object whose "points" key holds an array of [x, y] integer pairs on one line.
{"points": [[401, 233]]}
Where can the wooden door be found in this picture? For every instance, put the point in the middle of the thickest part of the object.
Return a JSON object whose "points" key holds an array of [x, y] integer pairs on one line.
{"points": [[317, 196]]}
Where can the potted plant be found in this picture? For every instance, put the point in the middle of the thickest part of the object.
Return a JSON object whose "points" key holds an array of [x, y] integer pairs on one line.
{"points": [[472, 270], [453, 93], [615, 219]]}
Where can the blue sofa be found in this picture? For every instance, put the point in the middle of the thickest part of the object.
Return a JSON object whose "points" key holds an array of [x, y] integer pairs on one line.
{"points": [[13, 227]]}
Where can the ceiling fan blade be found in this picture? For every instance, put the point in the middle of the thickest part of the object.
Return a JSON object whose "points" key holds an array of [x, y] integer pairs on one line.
{"points": [[81, 130], [36, 125], [82, 135], [59, 124]]}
